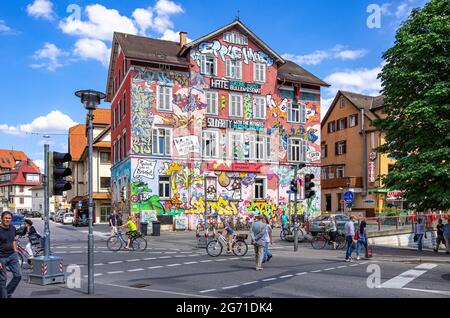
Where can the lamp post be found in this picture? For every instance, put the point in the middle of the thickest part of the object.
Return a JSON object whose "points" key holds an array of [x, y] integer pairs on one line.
{"points": [[90, 99], [46, 200]]}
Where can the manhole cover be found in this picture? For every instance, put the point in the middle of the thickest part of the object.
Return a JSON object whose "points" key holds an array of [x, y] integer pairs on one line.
{"points": [[139, 285], [45, 292]]}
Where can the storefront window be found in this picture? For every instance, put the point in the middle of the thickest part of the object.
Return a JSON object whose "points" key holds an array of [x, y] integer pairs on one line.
{"points": [[104, 213]]}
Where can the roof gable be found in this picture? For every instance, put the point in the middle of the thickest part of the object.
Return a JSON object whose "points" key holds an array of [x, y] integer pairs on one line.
{"points": [[292, 72], [77, 141]]}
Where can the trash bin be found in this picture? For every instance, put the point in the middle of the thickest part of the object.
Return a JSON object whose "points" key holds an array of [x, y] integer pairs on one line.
{"points": [[144, 226], [156, 228]]}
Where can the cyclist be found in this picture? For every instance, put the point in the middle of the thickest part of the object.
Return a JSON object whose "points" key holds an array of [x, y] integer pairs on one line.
{"points": [[132, 230], [284, 220], [332, 231], [228, 235], [33, 236]]}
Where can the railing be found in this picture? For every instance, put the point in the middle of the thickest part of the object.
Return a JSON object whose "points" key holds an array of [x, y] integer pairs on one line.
{"points": [[403, 223]]}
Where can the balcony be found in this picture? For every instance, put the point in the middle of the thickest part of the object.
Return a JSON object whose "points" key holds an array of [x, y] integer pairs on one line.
{"points": [[352, 182]]}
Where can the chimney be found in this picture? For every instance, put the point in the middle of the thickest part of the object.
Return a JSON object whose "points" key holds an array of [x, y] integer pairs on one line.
{"points": [[183, 36]]}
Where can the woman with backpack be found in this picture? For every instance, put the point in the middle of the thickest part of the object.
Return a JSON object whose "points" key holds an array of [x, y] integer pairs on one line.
{"points": [[361, 238]]}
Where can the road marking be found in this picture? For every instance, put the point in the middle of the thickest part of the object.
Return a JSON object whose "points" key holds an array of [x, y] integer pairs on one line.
{"points": [[364, 263], [135, 270], [133, 260], [248, 257], [206, 261], [402, 279], [174, 249], [106, 252], [302, 273], [234, 258], [249, 283], [180, 256], [156, 290], [165, 257], [170, 252], [221, 260], [442, 292], [61, 247], [286, 276], [115, 262], [193, 255], [206, 291], [156, 252], [317, 271], [159, 248], [149, 258], [343, 266], [426, 266], [153, 267], [75, 247], [329, 269], [99, 264], [171, 265], [353, 265], [185, 252], [116, 272], [268, 279], [189, 263], [229, 287], [98, 274]]}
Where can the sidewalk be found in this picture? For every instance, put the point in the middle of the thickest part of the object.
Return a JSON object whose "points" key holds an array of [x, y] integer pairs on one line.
{"points": [[397, 254]]}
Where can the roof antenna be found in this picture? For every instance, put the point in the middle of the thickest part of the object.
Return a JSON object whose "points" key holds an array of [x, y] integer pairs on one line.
{"points": [[237, 16]]}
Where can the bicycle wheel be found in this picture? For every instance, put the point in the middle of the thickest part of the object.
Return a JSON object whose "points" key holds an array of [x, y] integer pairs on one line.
{"points": [[318, 242], [301, 235], [240, 248], [214, 248], [141, 244], [114, 243], [340, 242], [283, 234]]}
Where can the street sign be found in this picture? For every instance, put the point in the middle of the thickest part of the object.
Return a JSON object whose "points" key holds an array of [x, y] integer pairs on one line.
{"points": [[134, 198], [5, 200], [349, 196], [373, 155], [12, 205], [369, 201]]}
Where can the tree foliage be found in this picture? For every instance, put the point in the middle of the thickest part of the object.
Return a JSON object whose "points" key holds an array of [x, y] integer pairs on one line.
{"points": [[416, 88]]}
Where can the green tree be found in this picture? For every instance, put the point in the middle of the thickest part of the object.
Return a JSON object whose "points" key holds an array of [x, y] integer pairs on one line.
{"points": [[416, 86]]}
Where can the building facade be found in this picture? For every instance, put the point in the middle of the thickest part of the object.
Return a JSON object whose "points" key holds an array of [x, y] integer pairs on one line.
{"points": [[55, 202], [18, 175], [101, 163], [215, 125], [343, 152]]}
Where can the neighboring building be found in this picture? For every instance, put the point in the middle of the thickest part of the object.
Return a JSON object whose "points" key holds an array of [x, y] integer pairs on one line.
{"points": [[18, 175], [101, 165], [342, 155], [55, 202], [221, 119]]}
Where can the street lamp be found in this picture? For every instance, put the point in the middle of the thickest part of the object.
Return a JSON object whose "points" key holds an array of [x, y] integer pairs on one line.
{"points": [[90, 99]]}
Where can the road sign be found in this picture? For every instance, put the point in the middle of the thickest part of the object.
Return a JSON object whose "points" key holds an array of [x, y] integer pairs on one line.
{"points": [[5, 200], [134, 198], [349, 196], [369, 201]]}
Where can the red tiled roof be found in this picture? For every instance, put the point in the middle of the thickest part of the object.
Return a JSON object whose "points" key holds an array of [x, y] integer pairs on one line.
{"points": [[20, 171], [102, 116], [8, 158], [77, 141], [103, 144]]}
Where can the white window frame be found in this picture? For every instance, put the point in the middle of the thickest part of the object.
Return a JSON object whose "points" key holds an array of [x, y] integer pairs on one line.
{"points": [[164, 183], [303, 148], [167, 94], [256, 101], [203, 65], [341, 102], [262, 142], [301, 110], [340, 170], [259, 72], [214, 152], [264, 185], [352, 120], [231, 107], [233, 69], [208, 99], [167, 141], [372, 140], [341, 145], [240, 140]]}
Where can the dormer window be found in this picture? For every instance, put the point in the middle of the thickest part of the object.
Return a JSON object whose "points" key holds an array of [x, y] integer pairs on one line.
{"points": [[235, 37]]}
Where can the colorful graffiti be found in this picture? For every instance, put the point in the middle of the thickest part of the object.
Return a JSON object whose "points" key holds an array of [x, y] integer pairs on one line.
{"points": [[142, 118], [248, 106]]}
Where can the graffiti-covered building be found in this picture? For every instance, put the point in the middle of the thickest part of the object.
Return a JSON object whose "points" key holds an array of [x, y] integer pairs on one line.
{"points": [[213, 124]]}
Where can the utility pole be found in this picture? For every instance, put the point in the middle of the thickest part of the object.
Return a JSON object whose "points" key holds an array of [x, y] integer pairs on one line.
{"points": [[46, 204]]}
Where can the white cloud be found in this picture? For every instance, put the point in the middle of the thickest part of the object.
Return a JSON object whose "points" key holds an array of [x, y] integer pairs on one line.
{"points": [[41, 9], [40, 164], [385, 9], [325, 104], [170, 35], [143, 18], [4, 28], [362, 80], [318, 56], [49, 55], [53, 122], [167, 7], [92, 49]]}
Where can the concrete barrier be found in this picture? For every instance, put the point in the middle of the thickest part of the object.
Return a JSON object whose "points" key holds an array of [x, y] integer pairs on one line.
{"points": [[402, 240]]}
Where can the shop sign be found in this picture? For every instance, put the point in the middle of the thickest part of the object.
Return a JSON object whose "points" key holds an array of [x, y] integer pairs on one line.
{"points": [[237, 86], [241, 167], [371, 171], [212, 122], [373, 155], [394, 196]]}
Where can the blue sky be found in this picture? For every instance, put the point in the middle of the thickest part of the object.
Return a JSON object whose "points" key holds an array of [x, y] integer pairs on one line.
{"points": [[50, 49]]}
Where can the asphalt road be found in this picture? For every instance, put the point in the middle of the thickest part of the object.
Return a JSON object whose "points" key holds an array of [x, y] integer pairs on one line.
{"points": [[173, 267]]}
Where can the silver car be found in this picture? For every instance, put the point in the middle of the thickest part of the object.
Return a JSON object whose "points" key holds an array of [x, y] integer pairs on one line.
{"points": [[321, 223]]}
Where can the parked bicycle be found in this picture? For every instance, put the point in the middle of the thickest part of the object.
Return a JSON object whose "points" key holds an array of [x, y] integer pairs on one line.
{"points": [[239, 246], [290, 229], [115, 242], [323, 239]]}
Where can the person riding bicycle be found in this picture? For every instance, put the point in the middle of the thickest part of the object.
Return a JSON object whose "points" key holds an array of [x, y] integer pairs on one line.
{"points": [[332, 231], [33, 236], [228, 235], [132, 232], [284, 220]]}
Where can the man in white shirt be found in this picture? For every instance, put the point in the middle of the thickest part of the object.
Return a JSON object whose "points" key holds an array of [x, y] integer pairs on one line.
{"points": [[419, 230], [349, 230]]}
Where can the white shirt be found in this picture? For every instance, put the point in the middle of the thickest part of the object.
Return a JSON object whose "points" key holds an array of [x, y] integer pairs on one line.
{"points": [[267, 233], [349, 228], [420, 229]]}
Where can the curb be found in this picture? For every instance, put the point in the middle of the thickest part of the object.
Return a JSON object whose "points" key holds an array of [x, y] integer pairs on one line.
{"points": [[411, 260]]}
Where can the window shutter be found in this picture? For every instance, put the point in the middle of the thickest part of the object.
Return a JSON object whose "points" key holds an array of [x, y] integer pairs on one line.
{"points": [[345, 122], [202, 64], [215, 66], [289, 148], [356, 120], [167, 144], [326, 151], [252, 146]]}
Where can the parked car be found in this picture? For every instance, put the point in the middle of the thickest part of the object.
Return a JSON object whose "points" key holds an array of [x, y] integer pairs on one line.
{"points": [[321, 222], [59, 215], [35, 214], [27, 214], [67, 218], [51, 216]]}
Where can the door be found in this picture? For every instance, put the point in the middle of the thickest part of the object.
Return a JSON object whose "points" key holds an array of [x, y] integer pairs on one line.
{"points": [[104, 213], [328, 202]]}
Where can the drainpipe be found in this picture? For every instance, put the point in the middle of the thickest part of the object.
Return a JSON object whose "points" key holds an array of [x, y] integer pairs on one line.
{"points": [[364, 139]]}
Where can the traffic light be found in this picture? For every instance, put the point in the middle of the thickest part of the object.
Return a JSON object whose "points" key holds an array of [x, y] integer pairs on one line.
{"points": [[293, 186], [309, 193], [56, 179]]}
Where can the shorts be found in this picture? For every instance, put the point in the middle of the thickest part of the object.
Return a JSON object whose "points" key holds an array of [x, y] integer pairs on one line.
{"points": [[133, 234], [333, 235]]}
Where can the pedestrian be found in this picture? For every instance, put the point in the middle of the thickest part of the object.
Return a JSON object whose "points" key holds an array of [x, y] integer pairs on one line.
{"points": [[33, 237], [113, 222], [8, 256], [440, 235], [362, 239], [332, 231], [349, 230], [447, 236], [257, 232], [419, 231], [267, 240]]}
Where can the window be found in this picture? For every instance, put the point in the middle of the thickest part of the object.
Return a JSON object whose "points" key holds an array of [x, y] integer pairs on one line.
{"points": [[114, 85], [164, 98], [259, 186], [161, 138], [340, 147], [164, 187], [260, 72], [212, 103], [105, 157], [259, 147], [236, 106], [372, 140], [114, 117], [390, 168], [119, 111], [124, 145], [324, 174], [331, 127], [324, 151], [296, 113], [210, 144], [208, 65], [259, 107], [297, 150], [341, 103], [105, 211], [342, 123], [120, 78], [119, 152], [114, 152], [236, 146], [234, 69], [339, 171], [105, 182], [124, 109], [32, 177], [124, 66], [353, 119], [22, 201], [21, 189], [235, 37]]}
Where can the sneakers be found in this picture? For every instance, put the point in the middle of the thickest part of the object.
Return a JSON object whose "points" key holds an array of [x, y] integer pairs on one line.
{"points": [[351, 259], [269, 257], [358, 258], [347, 260], [259, 269]]}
